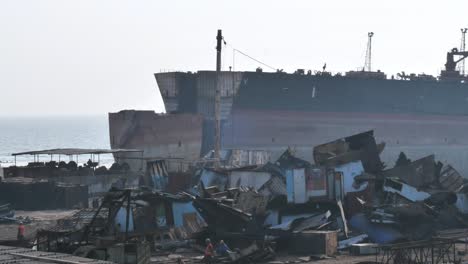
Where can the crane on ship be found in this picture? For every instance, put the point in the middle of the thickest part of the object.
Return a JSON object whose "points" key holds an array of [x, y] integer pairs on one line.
{"points": [[367, 63], [451, 64], [462, 48], [455, 64]]}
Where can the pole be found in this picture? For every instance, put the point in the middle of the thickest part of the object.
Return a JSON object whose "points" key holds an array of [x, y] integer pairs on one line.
{"points": [[369, 51], [217, 146]]}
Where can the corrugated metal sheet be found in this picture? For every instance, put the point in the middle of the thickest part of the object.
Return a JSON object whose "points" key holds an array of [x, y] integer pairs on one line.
{"points": [[158, 174], [275, 186], [242, 157], [450, 179]]}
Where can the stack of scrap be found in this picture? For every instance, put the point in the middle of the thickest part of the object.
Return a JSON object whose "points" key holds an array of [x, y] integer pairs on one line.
{"points": [[347, 192], [286, 201], [417, 199], [252, 202], [31, 194], [68, 230], [346, 199], [419, 174]]}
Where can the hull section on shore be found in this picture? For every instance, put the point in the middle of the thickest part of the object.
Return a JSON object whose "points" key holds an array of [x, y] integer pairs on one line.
{"points": [[158, 135]]}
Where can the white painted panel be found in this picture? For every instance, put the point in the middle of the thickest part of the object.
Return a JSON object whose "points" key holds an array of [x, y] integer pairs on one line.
{"points": [[349, 171], [409, 192], [300, 195]]}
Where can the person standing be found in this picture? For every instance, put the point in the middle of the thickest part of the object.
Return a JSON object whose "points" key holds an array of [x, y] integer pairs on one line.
{"points": [[222, 249], [209, 252], [21, 229]]}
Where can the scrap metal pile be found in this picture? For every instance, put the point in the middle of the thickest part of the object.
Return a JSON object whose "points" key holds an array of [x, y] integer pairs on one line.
{"points": [[345, 198]]}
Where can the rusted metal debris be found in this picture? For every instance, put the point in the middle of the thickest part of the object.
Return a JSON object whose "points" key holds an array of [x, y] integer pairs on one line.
{"points": [[347, 197]]}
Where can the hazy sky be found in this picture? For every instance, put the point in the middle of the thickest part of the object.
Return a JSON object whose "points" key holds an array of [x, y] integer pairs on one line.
{"points": [[92, 57]]}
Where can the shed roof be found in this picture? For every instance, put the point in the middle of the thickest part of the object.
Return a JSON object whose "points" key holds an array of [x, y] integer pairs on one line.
{"points": [[75, 151]]}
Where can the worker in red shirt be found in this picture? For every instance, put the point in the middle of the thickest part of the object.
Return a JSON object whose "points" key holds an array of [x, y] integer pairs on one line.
{"points": [[20, 231], [209, 251]]}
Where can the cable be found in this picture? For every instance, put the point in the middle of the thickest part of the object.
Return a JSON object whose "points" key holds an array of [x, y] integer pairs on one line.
{"points": [[273, 68], [246, 55]]}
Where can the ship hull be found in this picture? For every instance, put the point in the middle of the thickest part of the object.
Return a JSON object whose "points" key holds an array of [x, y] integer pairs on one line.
{"points": [[159, 136], [273, 111], [416, 135]]}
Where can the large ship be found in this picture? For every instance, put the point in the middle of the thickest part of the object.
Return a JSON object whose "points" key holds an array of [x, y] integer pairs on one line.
{"points": [[417, 114]]}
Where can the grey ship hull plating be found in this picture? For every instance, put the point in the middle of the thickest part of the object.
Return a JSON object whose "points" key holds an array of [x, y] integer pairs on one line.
{"points": [[273, 111], [277, 110]]}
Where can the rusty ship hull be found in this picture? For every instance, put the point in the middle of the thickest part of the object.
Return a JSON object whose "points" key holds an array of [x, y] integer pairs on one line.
{"points": [[273, 111]]}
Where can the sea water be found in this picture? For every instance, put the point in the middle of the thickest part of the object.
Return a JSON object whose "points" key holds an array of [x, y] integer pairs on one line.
{"points": [[20, 134]]}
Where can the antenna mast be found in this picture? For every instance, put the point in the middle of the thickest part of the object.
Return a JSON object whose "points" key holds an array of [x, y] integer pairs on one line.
{"points": [[367, 63], [462, 48], [217, 109]]}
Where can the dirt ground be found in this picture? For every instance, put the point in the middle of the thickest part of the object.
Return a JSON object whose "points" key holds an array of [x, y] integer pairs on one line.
{"points": [[340, 258], [38, 220], [285, 258], [44, 219]]}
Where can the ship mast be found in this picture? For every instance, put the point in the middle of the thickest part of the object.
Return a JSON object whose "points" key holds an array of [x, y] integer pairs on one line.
{"points": [[462, 48], [217, 109], [367, 63]]}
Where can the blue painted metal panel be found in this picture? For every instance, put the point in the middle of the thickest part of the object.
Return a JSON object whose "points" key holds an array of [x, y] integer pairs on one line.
{"points": [[180, 209], [378, 233], [121, 219]]}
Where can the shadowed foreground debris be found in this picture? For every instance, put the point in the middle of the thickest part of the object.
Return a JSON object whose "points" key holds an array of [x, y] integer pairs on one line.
{"points": [[347, 206]]}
